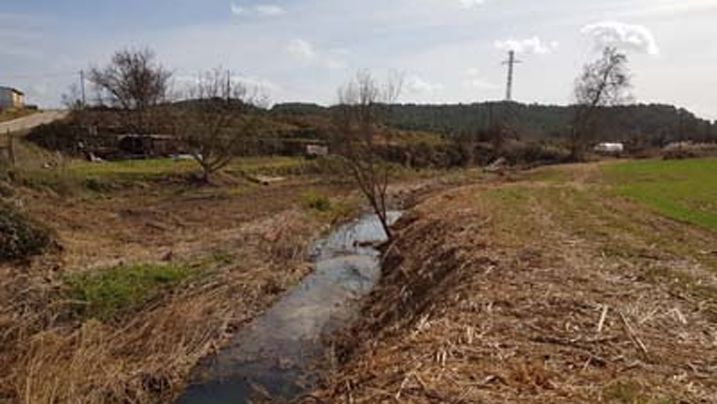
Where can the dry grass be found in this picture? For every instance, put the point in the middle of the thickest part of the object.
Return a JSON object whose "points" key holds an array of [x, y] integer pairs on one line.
{"points": [[517, 293], [247, 244], [146, 356]]}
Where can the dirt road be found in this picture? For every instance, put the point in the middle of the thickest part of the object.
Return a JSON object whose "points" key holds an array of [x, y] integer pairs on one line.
{"points": [[31, 121]]}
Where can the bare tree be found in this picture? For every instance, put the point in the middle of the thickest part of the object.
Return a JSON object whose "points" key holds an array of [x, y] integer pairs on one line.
{"points": [[603, 83], [217, 120], [72, 99], [359, 117], [134, 82]]}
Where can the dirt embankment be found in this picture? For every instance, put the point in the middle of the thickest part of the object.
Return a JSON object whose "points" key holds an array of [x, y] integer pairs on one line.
{"points": [[536, 292]]}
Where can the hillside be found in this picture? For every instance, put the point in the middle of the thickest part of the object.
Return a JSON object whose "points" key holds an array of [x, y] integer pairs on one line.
{"points": [[655, 123]]}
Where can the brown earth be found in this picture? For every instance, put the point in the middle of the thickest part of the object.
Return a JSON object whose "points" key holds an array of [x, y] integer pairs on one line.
{"points": [[539, 290]]}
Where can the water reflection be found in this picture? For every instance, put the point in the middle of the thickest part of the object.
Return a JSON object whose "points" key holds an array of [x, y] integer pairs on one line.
{"points": [[280, 352]]}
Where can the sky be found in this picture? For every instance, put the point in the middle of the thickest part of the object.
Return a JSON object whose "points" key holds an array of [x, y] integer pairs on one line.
{"points": [[448, 51]]}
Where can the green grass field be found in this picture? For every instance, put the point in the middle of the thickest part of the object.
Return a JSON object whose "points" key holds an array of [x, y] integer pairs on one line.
{"points": [[684, 190], [75, 175], [106, 293], [151, 168]]}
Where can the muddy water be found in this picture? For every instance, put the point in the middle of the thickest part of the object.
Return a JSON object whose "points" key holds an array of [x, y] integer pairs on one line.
{"points": [[280, 354]]}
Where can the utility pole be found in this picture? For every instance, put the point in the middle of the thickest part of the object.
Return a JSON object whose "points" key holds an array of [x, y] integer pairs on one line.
{"points": [[229, 86], [82, 86], [511, 62]]}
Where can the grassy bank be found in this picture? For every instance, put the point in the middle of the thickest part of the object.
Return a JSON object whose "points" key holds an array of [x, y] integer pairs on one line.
{"points": [[684, 190], [72, 176], [553, 287], [105, 294]]}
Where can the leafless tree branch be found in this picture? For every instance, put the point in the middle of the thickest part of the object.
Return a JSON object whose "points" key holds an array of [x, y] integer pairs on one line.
{"points": [[603, 83], [358, 120]]}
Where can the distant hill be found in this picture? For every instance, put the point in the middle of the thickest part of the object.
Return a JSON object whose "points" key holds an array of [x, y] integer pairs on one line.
{"points": [[652, 123]]}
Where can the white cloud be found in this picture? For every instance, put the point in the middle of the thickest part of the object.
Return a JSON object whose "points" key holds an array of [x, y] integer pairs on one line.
{"points": [[532, 45], [670, 7], [265, 10], [269, 9], [265, 86], [334, 63], [416, 84], [635, 38], [474, 80], [468, 4], [237, 9], [305, 51], [301, 49]]}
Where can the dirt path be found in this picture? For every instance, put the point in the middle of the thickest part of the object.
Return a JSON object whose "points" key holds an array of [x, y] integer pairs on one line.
{"points": [[525, 292], [31, 121]]}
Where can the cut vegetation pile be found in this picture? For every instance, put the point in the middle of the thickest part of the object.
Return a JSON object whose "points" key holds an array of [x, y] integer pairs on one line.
{"points": [[547, 290]]}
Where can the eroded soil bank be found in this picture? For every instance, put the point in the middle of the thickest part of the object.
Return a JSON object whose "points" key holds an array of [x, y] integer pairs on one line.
{"points": [[541, 290]]}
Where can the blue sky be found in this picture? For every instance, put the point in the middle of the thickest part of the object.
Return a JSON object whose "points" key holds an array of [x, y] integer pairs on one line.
{"points": [[302, 50]]}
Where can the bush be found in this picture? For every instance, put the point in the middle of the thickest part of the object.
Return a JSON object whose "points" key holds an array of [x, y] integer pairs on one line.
{"points": [[97, 185], [530, 153], [6, 190], [59, 136], [313, 200], [105, 294], [20, 238], [679, 154], [688, 150]]}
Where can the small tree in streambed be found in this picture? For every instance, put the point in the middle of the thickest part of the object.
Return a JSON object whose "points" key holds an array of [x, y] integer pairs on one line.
{"points": [[217, 121], [358, 137], [603, 83], [134, 83]]}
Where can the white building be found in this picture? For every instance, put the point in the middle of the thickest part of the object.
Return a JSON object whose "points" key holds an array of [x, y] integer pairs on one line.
{"points": [[11, 98], [610, 148]]}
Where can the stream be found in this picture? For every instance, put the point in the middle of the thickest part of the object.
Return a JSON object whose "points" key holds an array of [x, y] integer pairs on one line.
{"points": [[281, 353]]}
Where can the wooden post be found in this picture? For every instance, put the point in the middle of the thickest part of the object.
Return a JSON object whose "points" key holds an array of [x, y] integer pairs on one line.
{"points": [[11, 148]]}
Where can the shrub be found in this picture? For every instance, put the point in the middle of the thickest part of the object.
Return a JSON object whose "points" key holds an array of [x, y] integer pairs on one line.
{"points": [[313, 200], [105, 294], [529, 153], [97, 185], [57, 180], [57, 136], [20, 237], [679, 154], [688, 150], [6, 190]]}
